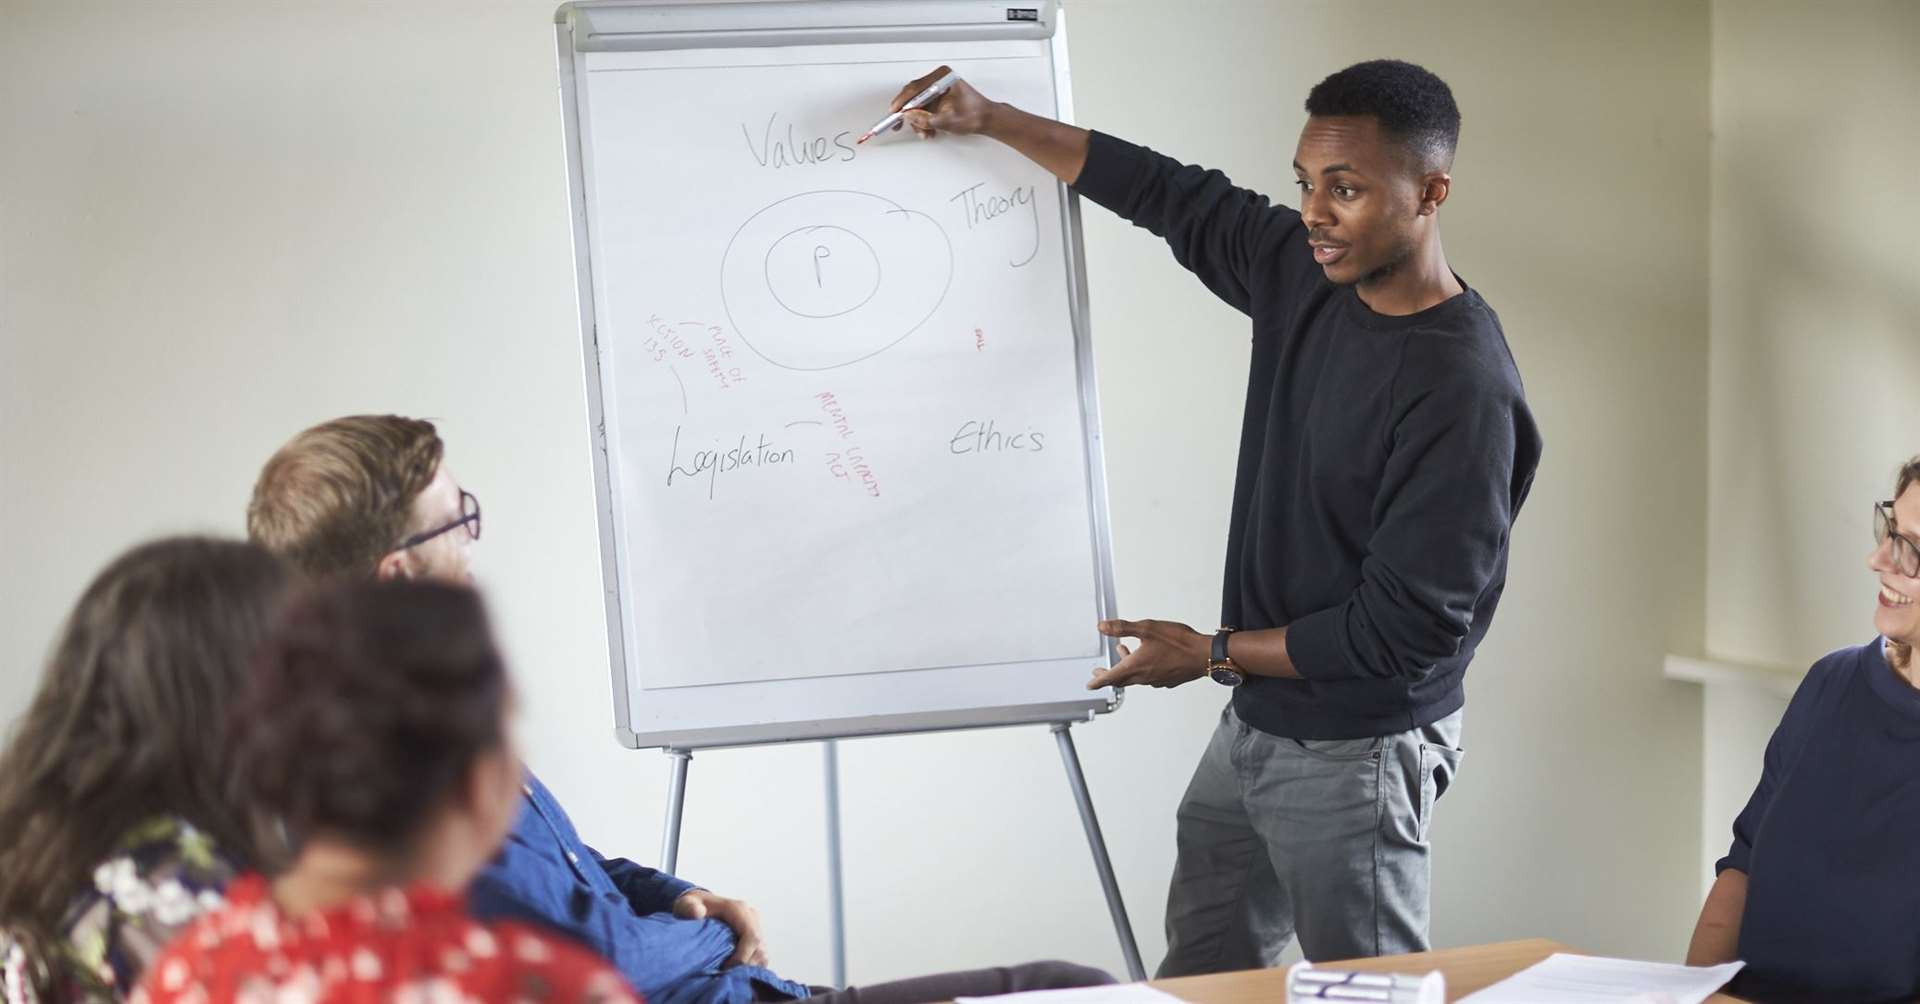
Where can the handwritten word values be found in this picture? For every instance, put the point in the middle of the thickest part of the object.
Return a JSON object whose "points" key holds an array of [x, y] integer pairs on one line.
{"points": [[779, 148], [710, 464]]}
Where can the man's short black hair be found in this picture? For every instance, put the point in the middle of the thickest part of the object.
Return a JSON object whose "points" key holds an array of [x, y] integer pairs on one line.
{"points": [[1412, 105]]}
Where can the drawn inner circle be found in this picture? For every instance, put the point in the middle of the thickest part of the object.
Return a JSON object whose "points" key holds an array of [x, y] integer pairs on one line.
{"points": [[822, 271], [825, 279]]}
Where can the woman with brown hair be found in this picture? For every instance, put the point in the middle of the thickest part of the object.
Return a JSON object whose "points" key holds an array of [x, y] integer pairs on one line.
{"points": [[1816, 894], [375, 727], [116, 826]]}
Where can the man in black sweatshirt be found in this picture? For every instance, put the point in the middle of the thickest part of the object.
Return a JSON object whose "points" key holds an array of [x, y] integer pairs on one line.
{"points": [[1386, 448]]}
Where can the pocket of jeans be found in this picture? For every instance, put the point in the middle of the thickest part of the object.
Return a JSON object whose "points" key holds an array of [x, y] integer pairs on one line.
{"points": [[1438, 766], [1341, 749]]}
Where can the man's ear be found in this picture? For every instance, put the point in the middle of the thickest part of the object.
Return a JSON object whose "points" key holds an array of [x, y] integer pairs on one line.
{"points": [[396, 566], [1434, 189]]}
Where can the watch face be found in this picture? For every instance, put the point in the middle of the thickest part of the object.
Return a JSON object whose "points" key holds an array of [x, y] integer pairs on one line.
{"points": [[1225, 677]]}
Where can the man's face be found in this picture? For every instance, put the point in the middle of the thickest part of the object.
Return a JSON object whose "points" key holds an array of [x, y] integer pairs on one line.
{"points": [[448, 556], [1359, 197]]}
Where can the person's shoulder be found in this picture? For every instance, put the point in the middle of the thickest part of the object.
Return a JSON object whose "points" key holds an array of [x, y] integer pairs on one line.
{"points": [[1461, 341], [170, 848], [185, 961], [540, 813], [164, 869], [575, 973], [1822, 690], [163, 875], [244, 907], [510, 888], [1459, 362], [1840, 667]]}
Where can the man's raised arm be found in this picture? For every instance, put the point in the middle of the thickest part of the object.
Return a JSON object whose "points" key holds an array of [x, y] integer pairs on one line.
{"points": [[1216, 230]]}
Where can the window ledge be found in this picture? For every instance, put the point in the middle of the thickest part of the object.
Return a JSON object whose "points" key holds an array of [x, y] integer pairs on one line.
{"points": [[1773, 679]]}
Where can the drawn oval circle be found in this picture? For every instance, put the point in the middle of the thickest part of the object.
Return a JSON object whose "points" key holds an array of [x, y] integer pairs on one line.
{"points": [[822, 271], [825, 279]]}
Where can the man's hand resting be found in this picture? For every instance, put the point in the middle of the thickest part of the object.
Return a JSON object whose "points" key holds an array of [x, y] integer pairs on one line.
{"points": [[1169, 655], [699, 904]]}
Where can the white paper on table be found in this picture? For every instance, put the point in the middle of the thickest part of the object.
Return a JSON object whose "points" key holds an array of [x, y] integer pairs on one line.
{"points": [[1585, 979], [1118, 993]]}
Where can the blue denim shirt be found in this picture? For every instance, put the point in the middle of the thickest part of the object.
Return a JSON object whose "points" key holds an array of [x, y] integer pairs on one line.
{"points": [[545, 874]]}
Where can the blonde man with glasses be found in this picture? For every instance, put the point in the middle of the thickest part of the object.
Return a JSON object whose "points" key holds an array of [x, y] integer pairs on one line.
{"points": [[366, 496], [1816, 893], [369, 496]]}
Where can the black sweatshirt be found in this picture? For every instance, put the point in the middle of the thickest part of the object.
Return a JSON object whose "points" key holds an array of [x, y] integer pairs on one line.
{"points": [[1382, 461]]}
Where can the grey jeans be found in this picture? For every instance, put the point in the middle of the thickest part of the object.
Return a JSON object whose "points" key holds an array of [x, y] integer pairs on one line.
{"points": [[1324, 840]]}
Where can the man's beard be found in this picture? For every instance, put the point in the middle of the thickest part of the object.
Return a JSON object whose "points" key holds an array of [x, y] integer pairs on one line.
{"points": [[1403, 252]]}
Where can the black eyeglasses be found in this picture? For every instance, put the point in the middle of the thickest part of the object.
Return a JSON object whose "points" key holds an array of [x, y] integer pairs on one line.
{"points": [[469, 518], [1906, 555]]}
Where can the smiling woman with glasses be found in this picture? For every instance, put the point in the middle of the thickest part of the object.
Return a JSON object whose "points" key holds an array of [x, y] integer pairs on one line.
{"points": [[1816, 893], [1903, 554]]}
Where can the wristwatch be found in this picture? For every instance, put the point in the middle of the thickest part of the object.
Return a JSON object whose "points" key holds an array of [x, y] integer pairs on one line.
{"points": [[1220, 667]]}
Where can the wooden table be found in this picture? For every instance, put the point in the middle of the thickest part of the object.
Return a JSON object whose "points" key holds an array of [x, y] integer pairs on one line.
{"points": [[1467, 969]]}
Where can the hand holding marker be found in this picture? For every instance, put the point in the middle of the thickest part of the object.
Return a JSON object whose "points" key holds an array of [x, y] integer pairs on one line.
{"points": [[920, 100]]}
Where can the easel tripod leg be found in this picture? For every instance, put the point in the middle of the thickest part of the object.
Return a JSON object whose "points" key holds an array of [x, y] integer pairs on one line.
{"points": [[676, 801], [836, 898], [1098, 844]]}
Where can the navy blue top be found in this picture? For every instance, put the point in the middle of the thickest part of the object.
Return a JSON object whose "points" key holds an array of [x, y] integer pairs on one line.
{"points": [[1382, 461], [546, 875], [1830, 841]]}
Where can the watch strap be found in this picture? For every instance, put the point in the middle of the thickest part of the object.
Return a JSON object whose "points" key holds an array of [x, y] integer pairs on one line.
{"points": [[1220, 645]]}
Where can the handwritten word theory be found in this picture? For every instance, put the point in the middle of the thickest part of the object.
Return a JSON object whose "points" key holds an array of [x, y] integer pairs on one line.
{"points": [[982, 208]]}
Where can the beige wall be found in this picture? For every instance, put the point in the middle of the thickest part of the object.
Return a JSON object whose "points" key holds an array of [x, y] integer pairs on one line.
{"points": [[224, 221], [1815, 345], [1816, 315]]}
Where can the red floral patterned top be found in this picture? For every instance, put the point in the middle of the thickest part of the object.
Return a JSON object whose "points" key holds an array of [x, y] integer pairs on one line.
{"points": [[398, 946]]}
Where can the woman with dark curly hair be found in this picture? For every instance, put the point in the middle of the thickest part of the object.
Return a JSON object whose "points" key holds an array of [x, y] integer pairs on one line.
{"points": [[1817, 894], [117, 826], [375, 728]]}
